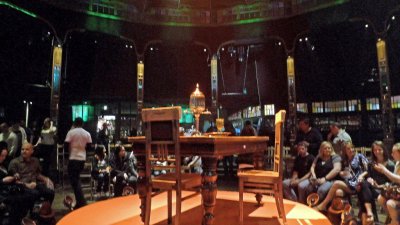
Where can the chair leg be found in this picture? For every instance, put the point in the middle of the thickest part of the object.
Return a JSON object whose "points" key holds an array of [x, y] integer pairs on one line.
{"points": [[281, 206], [148, 206], [178, 206], [169, 206], [240, 201]]}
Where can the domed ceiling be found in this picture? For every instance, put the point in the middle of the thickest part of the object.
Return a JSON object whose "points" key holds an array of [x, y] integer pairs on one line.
{"points": [[194, 12]]}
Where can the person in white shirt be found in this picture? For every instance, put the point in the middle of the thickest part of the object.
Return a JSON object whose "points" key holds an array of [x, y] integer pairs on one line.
{"points": [[338, 137], [9, 137], [46, 144], [78, 141]]}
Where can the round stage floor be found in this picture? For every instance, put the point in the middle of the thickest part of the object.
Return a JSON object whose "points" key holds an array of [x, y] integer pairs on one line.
{"points": [[125, 211]]}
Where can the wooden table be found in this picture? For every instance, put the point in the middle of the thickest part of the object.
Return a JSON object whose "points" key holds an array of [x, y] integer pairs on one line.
{"points": [[210, 148]]}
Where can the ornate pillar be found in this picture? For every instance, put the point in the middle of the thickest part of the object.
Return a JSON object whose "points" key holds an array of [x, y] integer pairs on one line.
{"points": [[139, 96], [214, 85], [386, 97], [292, 100], [55, 83]]}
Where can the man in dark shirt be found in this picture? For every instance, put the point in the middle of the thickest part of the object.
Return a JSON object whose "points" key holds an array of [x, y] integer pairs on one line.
{"points": [[310, 135], [302, 165], [27, 171]]}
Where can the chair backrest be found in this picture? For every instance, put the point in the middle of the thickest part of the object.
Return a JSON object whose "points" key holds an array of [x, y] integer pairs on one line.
{"points": [[279, 128], [162, 138]]}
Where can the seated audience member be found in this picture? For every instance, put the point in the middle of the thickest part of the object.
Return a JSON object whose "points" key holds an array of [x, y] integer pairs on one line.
{"points": [[310, 134], [101, 169], [227, 161], [391, 206], [194, 164], [370, 188], [247, 158], [12, 193], [27, 171], [323, 172], [123, 170], [338, 137], [301, 169], [355, 170]]}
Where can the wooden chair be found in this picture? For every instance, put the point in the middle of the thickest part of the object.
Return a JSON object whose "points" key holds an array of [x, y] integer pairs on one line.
{"points": [[266, 182], [162, 144]]}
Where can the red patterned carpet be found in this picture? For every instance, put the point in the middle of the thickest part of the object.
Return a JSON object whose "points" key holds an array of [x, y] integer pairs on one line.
{"points": [[125, 211]]}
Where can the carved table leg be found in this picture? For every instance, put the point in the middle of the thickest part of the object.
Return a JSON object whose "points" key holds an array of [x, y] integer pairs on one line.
{"points": [[209, 189], [258, 161], [142, 184]]}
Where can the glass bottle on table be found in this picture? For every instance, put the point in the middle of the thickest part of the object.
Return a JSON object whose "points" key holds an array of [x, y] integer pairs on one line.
{"points": [[220, 124]]}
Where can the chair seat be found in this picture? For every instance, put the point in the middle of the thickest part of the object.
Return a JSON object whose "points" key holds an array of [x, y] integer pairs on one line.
{"points": [[259, 176], [168, 181]]}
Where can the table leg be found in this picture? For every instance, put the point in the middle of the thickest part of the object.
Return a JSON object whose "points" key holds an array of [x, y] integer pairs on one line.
{"points": [[142, 185], [258, 162], [209, 189]]}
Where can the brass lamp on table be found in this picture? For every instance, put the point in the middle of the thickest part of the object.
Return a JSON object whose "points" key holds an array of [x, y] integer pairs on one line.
{"points": [[197, 104]]}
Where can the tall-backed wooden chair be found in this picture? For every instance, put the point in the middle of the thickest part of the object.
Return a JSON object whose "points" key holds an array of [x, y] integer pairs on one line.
{"points": [[263, 181], [162, 144]]}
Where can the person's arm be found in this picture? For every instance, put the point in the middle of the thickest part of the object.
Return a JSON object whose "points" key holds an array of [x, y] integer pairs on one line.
{"points": [[312, 169], [392, 176], [39, 141], [7, 180], [329, 137], [194, 160], [305, 177], [12, 168], [132, 165], [49, 184], [295, 175], [14, 145]]}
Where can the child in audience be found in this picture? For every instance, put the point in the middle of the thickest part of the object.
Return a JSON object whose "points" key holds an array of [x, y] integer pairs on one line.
{"points": [[101, 169]]}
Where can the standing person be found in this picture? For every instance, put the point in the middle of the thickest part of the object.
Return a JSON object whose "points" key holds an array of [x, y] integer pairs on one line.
{"points": [[301, 171], [338, 137], [310, 135], [21, 136], [28, 131], [46, 144], [9, 137], [103, 136], [78, 141]]}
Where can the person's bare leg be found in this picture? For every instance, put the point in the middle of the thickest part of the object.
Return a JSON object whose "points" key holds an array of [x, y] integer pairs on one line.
{"points": [[332, 193]]}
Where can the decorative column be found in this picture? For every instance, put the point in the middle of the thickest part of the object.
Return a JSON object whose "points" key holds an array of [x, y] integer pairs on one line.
{"points": [[384, 82], [214, 85], [292, 100], [55, 83], [139, 96]]}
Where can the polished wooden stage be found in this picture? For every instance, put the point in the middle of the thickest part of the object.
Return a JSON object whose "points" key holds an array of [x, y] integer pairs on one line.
{"points": [[125, 211]]}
